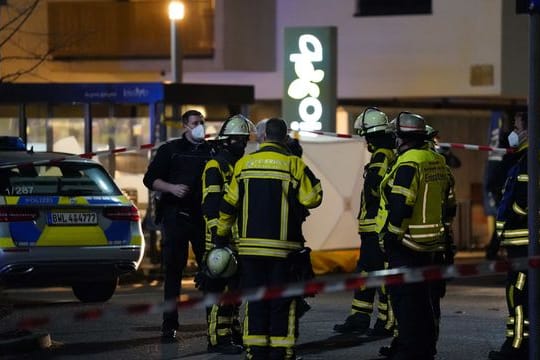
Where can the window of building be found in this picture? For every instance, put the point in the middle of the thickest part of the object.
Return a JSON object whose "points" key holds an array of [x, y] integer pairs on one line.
{"points": [[127, 29], [392, 7]]}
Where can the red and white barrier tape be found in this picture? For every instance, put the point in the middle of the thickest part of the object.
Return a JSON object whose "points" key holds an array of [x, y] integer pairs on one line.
{"points": [[88, 155], [119, 150], [349, 282], [475, 147], [326, 133], [443, 145]]}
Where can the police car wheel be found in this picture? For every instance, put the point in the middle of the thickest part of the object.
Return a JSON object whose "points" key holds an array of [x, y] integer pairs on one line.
{"points": [[88, 292]]}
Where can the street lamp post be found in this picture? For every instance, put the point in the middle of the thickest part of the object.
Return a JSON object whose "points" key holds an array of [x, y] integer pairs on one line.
{"points": [[176, 13]]}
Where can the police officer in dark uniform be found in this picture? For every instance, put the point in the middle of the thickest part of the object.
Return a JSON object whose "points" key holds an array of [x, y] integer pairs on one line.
{"points": [[176, 172], [512, 229], [224, 331], [373, 124], [266, 197], [410, 222]]}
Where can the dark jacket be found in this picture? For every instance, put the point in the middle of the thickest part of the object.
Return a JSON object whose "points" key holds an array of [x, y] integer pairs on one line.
{"points": [[267, 194], [374, 173], [512, 218], [217, 174], [180, 162]]}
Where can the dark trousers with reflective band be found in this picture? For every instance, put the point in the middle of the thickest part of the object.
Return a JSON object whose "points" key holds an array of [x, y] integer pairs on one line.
{"points": [[223, 319], [178, 230], [269, 326], [517, 301], [413, 307], [372, 259]]}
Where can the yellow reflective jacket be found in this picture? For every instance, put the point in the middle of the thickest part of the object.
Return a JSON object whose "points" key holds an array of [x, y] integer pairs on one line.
{"points": [[374, 172], [267, 196], [419, 223], [217, 173]]}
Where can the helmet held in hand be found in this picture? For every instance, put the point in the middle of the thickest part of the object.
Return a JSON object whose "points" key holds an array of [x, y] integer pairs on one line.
{"points": [[221, 263]]}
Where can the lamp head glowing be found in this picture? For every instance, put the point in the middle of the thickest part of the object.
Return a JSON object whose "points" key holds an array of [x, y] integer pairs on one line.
{"points": [[176, 10]]}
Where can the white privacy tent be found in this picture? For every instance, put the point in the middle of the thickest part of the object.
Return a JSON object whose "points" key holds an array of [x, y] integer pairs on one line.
{"points": [[332, 229]]}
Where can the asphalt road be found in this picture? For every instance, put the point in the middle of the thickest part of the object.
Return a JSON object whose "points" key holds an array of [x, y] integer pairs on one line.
{"points": [[473, 321]]}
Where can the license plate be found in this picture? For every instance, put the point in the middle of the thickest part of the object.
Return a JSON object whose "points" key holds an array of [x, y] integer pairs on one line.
{"points": [[72, 218]]}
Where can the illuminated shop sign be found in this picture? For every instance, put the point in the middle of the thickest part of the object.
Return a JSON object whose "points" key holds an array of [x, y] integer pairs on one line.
{"points": [[309, 99]]}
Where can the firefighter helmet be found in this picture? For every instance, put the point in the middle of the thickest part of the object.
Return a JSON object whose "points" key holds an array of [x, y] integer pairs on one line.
{"points": [[371, 120], [237, 125], [431, 132], [261, 130], [407, 123], [221, 262]]}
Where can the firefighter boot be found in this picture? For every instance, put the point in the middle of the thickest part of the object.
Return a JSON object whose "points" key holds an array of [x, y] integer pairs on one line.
{"points": [[508, 352], [380, 330], [357, 323]]}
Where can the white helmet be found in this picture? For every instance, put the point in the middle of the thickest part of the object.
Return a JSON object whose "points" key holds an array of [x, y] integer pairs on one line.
{"points": [[371, 120], [221, 263], [261, 130], [237, 125], [407, 123]]}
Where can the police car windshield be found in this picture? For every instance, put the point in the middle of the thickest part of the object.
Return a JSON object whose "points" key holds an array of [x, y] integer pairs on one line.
{"points": [[66, 179]]}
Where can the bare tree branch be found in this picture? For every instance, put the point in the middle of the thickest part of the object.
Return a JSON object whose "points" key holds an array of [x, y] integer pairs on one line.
{"points": [[23, 49], [22, 17], [14, 76]]}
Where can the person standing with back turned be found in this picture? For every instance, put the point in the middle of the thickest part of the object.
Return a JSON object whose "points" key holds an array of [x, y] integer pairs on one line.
{"points": [[176, 172], [266, 195], [410, 222]]}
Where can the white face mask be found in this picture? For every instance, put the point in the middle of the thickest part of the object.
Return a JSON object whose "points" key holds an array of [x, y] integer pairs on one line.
{"points": [[513, 139], [198, 132]]}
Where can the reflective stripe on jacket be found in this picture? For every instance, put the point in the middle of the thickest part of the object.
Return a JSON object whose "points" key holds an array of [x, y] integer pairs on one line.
{"points": [[374, 172], [512, 219], [268, 194], [426, 197], [217, 173]]}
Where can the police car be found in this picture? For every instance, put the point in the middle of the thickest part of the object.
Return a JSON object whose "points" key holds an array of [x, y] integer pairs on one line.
{"points": [[63, 221]]}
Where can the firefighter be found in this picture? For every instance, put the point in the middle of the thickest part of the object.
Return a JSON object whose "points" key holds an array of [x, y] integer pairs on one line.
{"points": [[224, 332], [293, 144], [267, 193], [373, 124], [298, 273], [410, 223], [438, 288], [176, 172], [513, 232]]}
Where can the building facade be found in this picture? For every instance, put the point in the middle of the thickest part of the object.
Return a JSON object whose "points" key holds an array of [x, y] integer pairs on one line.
{"points": [[456, 62]]}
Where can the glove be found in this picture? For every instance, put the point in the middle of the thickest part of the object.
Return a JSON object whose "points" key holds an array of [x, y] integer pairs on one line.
{"points": [[449, 253], [387, 238], [201, 280], [218, 240], [300, 267]]}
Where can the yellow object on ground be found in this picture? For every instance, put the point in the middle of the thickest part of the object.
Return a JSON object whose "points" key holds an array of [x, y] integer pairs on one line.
{"points": [[334, 261]]}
